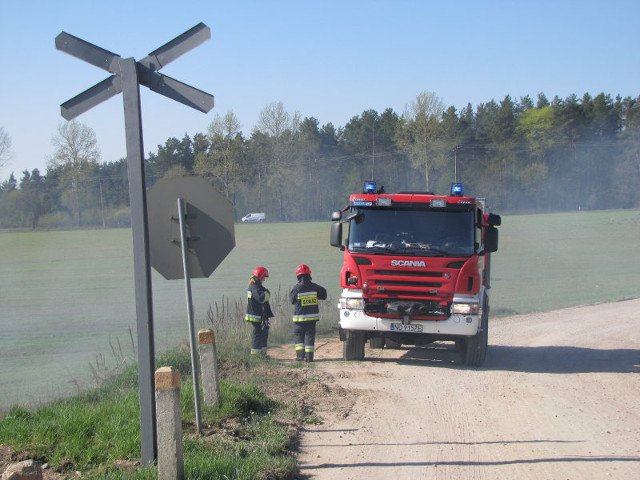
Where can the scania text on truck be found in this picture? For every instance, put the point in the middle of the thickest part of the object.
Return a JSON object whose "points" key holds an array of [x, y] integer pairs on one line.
{"points": [[416, 270]]}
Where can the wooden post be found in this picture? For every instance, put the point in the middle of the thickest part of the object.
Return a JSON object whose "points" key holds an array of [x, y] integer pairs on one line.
{"points": [[209, 367], [169, 424]]}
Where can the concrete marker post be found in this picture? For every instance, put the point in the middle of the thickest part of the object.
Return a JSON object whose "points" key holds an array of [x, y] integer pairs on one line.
{"points": [[169, 424], [209, 367]]}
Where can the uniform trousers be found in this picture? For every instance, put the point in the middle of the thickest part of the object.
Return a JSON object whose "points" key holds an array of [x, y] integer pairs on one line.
{"points": [[304, 336], [259, 337]]}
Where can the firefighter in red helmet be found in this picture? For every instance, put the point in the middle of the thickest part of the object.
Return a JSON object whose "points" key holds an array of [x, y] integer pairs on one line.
{"points": [[258, 310], [305, 295]]}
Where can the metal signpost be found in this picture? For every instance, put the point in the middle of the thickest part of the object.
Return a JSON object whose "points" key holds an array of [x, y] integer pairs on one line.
{"points": [[127, 76], [206, 235], [195, 371]]}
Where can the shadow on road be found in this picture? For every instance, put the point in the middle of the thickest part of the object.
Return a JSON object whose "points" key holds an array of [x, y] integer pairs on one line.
{"points": [[546, 359], [409, 444], [552, 359], [464, 463]]}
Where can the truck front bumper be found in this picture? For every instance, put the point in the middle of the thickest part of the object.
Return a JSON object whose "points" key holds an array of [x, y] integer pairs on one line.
{"points": [[466, 325], [353, 317]]}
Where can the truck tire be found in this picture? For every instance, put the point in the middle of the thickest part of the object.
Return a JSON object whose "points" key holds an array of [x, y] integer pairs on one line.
{"points": [[392, 344], [473, 350], [353, 346], [376, 342]]}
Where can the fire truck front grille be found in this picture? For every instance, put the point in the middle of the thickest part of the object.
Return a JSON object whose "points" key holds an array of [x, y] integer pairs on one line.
{"points": [[406, 284], [415, 294], [405, 273], [403, 283]]}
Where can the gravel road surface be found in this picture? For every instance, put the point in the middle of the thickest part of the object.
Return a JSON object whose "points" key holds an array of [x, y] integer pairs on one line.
{"points": [[558, 398]]}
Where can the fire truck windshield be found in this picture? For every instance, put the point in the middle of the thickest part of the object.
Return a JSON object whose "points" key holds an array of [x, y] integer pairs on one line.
{"points": [[412, 232]]}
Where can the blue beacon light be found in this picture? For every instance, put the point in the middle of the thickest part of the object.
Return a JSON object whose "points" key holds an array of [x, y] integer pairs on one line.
{"points": [[457, 190], [370, 187]]}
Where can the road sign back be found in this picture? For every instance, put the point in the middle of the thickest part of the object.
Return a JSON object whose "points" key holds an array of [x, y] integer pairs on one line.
{"points": [[210, 228]]}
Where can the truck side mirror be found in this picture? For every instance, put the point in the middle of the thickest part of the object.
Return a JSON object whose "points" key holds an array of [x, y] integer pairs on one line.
{"points": [[494, 220], [491, 240], [335, 238]]}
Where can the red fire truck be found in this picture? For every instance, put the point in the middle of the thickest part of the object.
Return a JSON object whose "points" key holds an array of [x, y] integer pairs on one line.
{"points": [[416, 270]]}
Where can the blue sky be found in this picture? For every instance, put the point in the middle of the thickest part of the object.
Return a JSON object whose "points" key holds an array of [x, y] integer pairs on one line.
{"points": [[328, 59]]}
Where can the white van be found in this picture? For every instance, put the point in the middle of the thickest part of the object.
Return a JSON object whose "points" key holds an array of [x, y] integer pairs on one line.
{"points": [[254, 217]]}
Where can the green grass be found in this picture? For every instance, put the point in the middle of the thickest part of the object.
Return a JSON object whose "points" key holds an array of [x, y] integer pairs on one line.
{"points": [[552, 261], [90, 431], [68, 294]]}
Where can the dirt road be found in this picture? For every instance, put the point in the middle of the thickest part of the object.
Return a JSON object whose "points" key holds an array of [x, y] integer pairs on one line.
{"points": [[558, 398]]}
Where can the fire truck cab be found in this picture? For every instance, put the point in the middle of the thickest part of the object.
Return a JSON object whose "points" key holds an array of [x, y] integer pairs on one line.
{"points": [[416, 270]]}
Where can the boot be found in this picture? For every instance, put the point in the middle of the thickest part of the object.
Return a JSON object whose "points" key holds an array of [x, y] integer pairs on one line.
{"points": [[299, 355], [308, 357]]}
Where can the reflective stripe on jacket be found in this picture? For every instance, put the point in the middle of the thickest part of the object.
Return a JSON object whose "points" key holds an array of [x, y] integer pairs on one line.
{"points": [[305, 295], [258, 307]]}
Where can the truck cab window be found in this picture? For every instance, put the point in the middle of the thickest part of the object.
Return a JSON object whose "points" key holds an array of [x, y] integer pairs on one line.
{"points": [[413, 232]]}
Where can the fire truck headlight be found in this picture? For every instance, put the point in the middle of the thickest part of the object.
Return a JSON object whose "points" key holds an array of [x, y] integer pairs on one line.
{"points": [[465, 308], [352, 303]]}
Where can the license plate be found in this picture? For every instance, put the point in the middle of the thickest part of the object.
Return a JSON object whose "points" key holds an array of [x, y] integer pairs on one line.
{"points": [[412, 327]]}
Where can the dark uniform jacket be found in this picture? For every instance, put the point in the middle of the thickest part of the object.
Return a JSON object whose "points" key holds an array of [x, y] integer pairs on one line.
{"points": [[258, 308], [305, 295]]}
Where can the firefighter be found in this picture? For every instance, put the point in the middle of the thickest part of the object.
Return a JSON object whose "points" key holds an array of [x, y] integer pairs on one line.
{"points": [[258, 310], [305, 295]]}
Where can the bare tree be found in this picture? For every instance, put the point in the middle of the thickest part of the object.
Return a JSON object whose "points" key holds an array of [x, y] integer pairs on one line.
{"points": [[75, 145], [419, 132], [5, 147], [77, 155], [223, 161], [281, 127], [275, 120]]}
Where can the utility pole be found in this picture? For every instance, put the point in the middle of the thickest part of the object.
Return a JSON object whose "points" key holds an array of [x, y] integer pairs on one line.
{"points": [[373, 148]]}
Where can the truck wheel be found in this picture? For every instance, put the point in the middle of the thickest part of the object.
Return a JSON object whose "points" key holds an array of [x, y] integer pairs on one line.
{"points": [[376, 342], [353, 346], [392, 344], [473, 350]]}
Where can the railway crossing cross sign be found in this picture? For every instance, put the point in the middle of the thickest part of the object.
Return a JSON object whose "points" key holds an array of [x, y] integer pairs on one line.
{"points": [[127, 75]]}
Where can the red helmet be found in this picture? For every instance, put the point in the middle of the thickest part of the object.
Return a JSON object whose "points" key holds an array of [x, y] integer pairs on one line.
{"points": [[303, 269], [260, 273]]}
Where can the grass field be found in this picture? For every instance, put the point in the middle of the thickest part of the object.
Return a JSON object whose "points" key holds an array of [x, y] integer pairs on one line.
{"points": [[67, 296]]}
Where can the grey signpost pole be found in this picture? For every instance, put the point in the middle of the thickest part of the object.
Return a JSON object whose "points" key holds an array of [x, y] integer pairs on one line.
{"points": [[192, 335], [141, 262], [126, 76]]}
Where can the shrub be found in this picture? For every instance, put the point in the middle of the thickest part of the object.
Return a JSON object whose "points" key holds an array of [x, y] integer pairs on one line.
{"points": [[55, 220], [120, 217]]}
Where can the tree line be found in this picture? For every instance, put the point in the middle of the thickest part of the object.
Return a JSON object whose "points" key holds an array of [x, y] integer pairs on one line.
{"points": [[523, 155]]}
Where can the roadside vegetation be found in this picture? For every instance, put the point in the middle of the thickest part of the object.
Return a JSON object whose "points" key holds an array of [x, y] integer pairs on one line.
{"points": [[97, 432]]}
